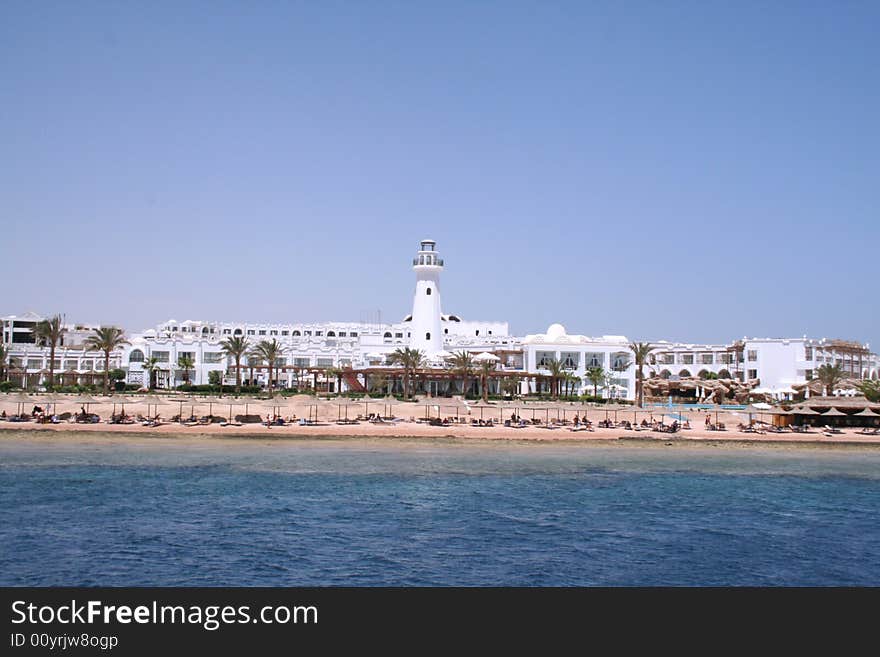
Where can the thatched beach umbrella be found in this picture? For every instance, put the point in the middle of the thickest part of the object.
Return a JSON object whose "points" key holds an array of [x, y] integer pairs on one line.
{"points": [[210, 401], [19, 398], [155, 402], [346, 406], [181, 401], [276, 403], [230, 402]]}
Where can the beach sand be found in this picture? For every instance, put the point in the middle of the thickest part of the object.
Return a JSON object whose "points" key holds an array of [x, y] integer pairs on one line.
{"points": [[410, 429]]}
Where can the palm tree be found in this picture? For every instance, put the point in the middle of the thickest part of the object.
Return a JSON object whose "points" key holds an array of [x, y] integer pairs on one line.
{"points": [[378, 383], [269, 352], [510, 386], [236, 347], [49, 332], [463, 363], [870, 388], [150, 365], [106, 339], [831, 376], [335, 373], [186, 363], [486, 368], [640, 354], [557, 371], [411, 360], [596, 376]]}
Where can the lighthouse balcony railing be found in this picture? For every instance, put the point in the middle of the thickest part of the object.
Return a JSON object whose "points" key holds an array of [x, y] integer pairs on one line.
{"points": [[438, 262]]}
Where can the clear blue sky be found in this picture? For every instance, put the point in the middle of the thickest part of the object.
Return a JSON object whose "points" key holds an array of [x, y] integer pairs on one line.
{"points": [[690, 171]]}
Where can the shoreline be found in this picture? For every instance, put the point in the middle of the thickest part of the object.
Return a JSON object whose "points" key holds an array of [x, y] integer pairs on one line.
{"points": [[452, 436]]}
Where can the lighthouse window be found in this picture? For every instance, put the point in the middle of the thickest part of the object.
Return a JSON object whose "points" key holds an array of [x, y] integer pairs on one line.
{"points": [[446, 331], [478, 332], [428, 291], [427, 336]]}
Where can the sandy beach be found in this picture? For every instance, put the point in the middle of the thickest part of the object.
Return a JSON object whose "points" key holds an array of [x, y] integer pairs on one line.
{"points": [[408, 427]]}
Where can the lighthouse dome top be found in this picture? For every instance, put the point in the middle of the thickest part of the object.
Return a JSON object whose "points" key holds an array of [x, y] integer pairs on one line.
{"points": [[428, 255]]}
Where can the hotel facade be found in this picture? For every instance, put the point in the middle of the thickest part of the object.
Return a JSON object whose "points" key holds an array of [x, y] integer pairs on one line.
{"points": [[356, 353]]}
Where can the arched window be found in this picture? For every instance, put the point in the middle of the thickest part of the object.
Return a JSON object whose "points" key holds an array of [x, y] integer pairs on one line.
{"points": [[684, 373], [295, 334], [331, 334], [665, 374], [387, 335], [136, 356], [724, 374], [237, 332], [428, 291], [205, 330], [427, 336]]}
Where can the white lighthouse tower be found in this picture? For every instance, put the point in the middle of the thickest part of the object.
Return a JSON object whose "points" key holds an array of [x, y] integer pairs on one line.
{"points": [[425, 326]]}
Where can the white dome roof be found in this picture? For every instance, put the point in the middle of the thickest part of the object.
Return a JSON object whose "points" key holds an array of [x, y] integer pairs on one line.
{"points": [[555, 331]]}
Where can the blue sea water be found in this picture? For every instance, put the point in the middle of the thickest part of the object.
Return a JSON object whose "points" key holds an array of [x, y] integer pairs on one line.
{"points": [[351, 512]]}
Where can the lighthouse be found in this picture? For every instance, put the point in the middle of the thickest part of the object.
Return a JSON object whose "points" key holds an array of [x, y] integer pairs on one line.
{"points": [[425, 325]]}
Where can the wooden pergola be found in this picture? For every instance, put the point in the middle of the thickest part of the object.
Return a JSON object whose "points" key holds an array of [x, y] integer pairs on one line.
{"points": [[424, 374]]}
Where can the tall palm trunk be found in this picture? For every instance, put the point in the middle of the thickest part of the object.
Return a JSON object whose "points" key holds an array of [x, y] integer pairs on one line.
{"points": [[640, 385], [238, 375], [51, 364], [106, 371]]}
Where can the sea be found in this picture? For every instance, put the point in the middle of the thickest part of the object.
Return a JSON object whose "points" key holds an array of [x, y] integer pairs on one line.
{"points": [[397, 512]]}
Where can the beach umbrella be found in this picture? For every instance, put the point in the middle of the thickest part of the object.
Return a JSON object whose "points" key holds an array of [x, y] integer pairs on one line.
{"points": [[132, 400], [84, 400], [20, 398], [155, 402], [181, 401], [276, 403], [339, 411], [486, 357], [210, 401], [53, 400], [752, 409], [231, 401], [867, 412]]}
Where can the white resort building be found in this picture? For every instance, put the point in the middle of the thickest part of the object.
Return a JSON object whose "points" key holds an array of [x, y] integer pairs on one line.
{"points": [[351, 355]]}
